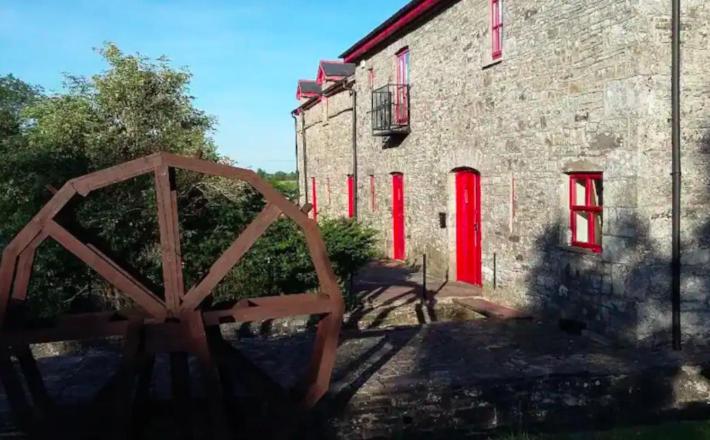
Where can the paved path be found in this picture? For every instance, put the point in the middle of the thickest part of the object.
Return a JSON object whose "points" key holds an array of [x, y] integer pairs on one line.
{"points": [[456, 378], [390, 293]]}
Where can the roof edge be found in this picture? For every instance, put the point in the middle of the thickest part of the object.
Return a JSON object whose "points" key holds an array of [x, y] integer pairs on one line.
{"points": [[410, 13]]}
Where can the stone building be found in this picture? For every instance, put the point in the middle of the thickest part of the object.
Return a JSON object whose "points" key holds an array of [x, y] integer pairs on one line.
{"points": [[525, 146]]}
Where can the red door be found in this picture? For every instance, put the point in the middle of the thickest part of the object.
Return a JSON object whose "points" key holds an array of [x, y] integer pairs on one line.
{"points": [[314, 197], [398, 216], [468, 227], [351, 197]]}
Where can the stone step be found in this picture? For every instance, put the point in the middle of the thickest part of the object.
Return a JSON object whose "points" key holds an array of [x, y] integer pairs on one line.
{"points": [[490, 309]]}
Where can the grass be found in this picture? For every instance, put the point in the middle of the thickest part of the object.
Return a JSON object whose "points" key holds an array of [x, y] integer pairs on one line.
{"points": [[669, 431]]}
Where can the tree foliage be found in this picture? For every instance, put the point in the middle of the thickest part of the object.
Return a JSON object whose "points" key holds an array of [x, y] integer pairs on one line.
{"points": [[136, 107]]}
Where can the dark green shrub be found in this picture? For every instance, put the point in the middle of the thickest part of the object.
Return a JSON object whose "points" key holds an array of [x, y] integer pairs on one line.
{"points": [[280, 263]]}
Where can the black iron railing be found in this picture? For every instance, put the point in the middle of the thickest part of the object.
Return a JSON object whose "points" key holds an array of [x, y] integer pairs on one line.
{"points": [[390, 110]]}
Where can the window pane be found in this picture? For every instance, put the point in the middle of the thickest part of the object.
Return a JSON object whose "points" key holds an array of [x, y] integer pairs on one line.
{"points": [[580, 195], [582, 220]]}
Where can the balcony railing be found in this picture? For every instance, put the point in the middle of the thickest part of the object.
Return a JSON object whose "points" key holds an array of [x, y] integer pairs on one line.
{"points": [[390, 110]]}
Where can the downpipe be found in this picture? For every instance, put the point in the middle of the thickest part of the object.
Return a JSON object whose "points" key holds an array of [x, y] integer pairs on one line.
{"points": [[676, 177]]}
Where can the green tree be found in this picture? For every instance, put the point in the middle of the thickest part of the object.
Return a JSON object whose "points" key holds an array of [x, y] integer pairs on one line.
{"points": [[15, 95], [136, 107]]}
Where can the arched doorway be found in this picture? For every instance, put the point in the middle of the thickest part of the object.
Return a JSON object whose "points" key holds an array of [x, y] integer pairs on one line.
{"points": [[468, 226]]}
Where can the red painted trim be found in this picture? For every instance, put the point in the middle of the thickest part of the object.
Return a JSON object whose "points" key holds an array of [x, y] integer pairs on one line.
{"points": [[398, 227], [496, 29], [358, 51], [593, 210], [351, 196], [468, 227], [401, 106]]}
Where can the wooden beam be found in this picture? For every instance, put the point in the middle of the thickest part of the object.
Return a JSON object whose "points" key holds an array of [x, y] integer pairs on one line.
{"points": [[320, 368], [166, 195], [273, 307], [119, 173], [24, 268], [8, 267], [231, 256], [109, 270]]}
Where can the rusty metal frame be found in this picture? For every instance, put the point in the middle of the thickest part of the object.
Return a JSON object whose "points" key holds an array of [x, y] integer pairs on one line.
{"points": [[173, 322]]}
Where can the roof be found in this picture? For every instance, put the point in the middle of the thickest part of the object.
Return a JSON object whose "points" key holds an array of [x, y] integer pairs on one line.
{"points": [[334, 71], [337, 69], [412, 14], [335, 88], [308, 88]]}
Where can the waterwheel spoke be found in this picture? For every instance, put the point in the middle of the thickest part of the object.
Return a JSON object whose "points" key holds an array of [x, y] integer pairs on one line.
{"points": [[231, 256]]}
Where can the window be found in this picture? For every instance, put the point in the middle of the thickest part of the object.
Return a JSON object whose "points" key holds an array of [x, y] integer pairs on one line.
{"points": [[371, 77], [586, 208], [351, 196], [401, 105], [496, 29], [372, 193]]}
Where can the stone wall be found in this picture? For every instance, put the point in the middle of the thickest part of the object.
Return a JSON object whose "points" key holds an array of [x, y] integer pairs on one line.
{"points": [[654, 162], [328, 126], [582, 86]]}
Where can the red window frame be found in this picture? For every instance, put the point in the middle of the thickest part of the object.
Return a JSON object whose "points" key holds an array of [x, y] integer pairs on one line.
{"points": [[372, 193], [401, 104], [496, 29], [314, 197], [593, 210]]}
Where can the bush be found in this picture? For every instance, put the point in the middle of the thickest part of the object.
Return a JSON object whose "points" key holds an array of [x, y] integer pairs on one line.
{"points": [[280, 263]]}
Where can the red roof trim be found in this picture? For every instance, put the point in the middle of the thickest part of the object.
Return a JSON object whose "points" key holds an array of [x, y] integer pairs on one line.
{"points": [[389, 29]]}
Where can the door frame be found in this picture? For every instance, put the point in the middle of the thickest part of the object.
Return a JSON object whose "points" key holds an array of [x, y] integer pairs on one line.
{"points": [[396, 255], [452, 219]]}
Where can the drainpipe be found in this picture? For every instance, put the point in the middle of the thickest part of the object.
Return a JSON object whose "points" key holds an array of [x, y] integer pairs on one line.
{"points": [[305, 163], [353, 93], [295, 136], [676, 176]]}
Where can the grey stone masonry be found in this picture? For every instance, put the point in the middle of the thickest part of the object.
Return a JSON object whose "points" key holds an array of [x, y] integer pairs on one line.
{"points": [[582, 86], [328, 132]]}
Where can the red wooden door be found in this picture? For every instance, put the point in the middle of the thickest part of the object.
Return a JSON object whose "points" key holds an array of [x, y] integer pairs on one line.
{"points": [[351, 196], [314, 198], [398, 216], [468, 227]]}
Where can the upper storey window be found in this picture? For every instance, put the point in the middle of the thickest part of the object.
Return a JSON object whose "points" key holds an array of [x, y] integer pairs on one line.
{"points": [[390, 103], [403, 66], [496, 29], [401, 107]]}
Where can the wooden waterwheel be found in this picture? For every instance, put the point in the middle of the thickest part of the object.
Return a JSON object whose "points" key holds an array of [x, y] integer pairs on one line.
{"points": [[173, 321]]}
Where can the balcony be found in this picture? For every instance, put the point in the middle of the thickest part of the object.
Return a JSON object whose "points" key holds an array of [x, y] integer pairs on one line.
{"points": [[390, 110]]}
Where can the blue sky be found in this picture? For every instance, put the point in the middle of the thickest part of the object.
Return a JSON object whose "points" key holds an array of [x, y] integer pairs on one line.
{"points": [[246, 55]]}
